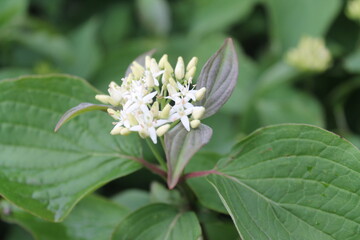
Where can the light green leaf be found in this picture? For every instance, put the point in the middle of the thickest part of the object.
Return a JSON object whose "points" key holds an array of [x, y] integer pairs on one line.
{"points": [[12, 11], [159, 222], [161, 194], [292, 19], [205, 193], [292, 182], [86, 54], [79, 109], [47, 173], [155, 16], [288, 105], [132, 199], [94, 218], [180, 146], [213, 15]]}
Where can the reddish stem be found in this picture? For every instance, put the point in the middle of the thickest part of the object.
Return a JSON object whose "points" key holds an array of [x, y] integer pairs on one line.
{"points": [[152, 167], [200, 174]]}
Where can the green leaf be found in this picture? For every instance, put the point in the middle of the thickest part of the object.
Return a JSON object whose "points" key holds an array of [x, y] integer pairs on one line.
{"points": [[288, 105], [310, 18], [15, 232], [227, 12], [352, 62], [160, 194], [155, 16], [79, 109], [159, 222], [86, 53], [94, 218], [292, 182], [205, 193], [47, 173], [218, 76], [132, 199], [218, 227], [12, 11], [181, 145]]}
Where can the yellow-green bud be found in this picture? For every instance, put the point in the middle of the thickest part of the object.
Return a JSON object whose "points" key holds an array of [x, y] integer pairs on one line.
{"points": [[162, 130], [192, 63], [310, 55], [147, 62], [143, 134], [171, 89], [165, 77], [180, 68], [162, 61], [198, 112], [150, 80], [125, 131], [155, 109], [116, 130], [195, 123], [353, 9], [164, 114], [154, 68], [199, 95], [168, 67], [132, 119], [190, 73], [104, 98]]}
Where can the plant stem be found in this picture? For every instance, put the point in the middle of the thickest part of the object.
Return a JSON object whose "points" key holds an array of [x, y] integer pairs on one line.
{"points": [[152, 167], [156, 153], [200, 174]]}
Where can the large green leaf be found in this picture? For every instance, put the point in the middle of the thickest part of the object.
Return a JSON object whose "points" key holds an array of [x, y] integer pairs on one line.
{"points": [[292, 182], [94, 218], [47, 173], [292, 19], [12, 11], [159, 222], [205, 193]]}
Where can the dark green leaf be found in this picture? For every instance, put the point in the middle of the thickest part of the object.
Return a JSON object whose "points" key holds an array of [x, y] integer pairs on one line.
{"points": [[47, 173], [218, 76], [79, 109], [181, 145], [94, 218], [292, 182], [133, 199], [159, 222]]}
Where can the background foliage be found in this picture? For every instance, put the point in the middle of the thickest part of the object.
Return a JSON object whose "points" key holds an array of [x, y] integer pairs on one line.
{"points": [[96, 40]]}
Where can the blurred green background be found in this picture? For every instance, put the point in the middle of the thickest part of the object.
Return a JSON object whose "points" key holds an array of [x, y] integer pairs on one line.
{"points": [[97, 40]]}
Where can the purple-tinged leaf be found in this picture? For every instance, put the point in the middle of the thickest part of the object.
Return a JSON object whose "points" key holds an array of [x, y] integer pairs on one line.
{"points": [[181, 145], [218, 76], [79, 109], [140, 60]]}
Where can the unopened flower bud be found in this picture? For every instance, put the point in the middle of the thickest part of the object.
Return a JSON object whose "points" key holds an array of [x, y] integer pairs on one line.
{"points": [[137, 70], [190, 73], [168, 67], [162, 61], [164, 114], [103, 98], [147, 62], [154, 68], [125, 131], [149, 80], [162, 130], [155, 109], [353, 9], [130, 77], [116, 131], [195, 123], [180, 68], [132, 120], [165, 77], [192, 63], [113, 113], [199, 95], [172, 82], [198, 112], [171, 89], [143, 134]]}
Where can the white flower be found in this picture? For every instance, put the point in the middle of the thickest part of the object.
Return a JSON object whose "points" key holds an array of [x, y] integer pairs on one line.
{"points": [[181, 110]]}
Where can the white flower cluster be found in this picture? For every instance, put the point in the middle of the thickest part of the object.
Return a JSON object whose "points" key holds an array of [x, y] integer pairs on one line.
{"points": [[154, 98], [311, 55]]}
